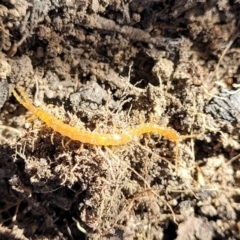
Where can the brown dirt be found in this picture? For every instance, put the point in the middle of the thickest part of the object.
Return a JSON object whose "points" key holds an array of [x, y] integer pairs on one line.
{"points": [[107, 66]]}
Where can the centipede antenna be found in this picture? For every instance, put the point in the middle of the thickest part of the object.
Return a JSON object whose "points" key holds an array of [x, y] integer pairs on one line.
{"points": [[23, 94], [18, 97]]}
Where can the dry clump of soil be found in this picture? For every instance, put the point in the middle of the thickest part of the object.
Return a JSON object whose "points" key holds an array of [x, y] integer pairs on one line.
{"points": [[107, 66]]}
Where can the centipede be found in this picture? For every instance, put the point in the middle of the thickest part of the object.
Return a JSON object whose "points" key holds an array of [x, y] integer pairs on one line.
{"points": [[96, 138]]}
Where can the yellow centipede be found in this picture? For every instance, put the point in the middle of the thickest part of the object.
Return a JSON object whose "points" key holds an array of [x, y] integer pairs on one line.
{"points": [[92, 137]]}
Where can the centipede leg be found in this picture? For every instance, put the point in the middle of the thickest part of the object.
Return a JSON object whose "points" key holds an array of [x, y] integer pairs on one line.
{"points": [[66, 144], [80, 148], [63, 143], [52, 135]]}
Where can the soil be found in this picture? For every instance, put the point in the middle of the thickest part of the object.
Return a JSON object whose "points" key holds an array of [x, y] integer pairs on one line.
{"points": [[106, 66]]}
